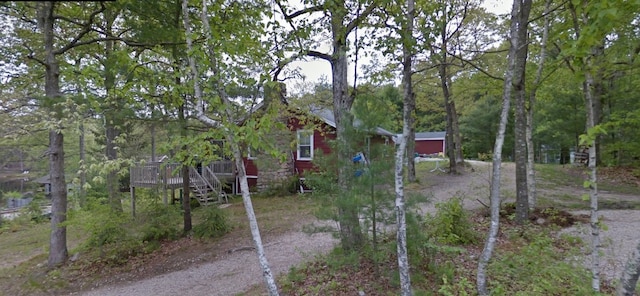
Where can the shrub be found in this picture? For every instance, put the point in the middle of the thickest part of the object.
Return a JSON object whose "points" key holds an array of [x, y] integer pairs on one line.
{"points": [[160, 223], [103, 225], [450, 224], [215, 223]]}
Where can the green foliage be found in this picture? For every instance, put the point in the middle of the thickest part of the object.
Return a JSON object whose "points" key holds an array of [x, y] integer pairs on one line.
{"points": [[479, 128], [215, 223], [103, 225], [12, 194], [539, 267], [450, 225], [369, 186], [160, 222], [461, 287], [379, 107], [33, 210]]}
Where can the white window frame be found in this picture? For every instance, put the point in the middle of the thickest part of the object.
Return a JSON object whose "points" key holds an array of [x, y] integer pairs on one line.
{"points": [[249, 156], [305, 133]]}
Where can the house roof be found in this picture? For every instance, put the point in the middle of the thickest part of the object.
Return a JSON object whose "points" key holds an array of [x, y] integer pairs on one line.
{"points": [[327, 116], [430, 136]]}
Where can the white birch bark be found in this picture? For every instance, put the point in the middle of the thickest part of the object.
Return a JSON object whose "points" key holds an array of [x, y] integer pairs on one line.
{"points": [[403, 259], [237, 155], [630, 274], [481, 276]]}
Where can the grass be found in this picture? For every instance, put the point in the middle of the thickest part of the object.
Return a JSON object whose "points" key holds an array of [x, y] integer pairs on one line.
{"points": [[275, 214]]}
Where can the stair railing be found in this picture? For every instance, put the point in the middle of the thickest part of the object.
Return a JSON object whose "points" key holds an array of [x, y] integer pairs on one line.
{"points": [[209, 175]]}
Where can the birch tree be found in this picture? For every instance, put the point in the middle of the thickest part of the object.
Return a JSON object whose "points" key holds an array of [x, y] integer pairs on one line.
{"points": [[214, 50], [591, 48], [408, 109], [487, 251]]}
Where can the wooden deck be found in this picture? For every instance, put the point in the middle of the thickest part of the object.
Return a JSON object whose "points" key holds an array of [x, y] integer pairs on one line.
{"points": [[169, 175]]}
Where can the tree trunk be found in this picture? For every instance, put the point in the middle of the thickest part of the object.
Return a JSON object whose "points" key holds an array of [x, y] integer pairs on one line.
{"points": [[630, 274], [351, 236], [449, 139], [186, 182], [411, 142], [58, 252], [186, 186], [444, 84], [453, 140], [457, 139], [593, 187], [408, 110], [481, 276], [520, 126], [82, 193], [111, 114], [253, 222]]}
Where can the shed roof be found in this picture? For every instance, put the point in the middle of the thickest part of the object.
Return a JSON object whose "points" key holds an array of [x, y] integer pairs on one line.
{"points": [[430, 136]]}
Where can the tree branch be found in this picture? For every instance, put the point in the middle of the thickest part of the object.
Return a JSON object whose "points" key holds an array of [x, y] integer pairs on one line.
{"points": [[356, 21], [311, 9], [320, 55], [87, 28]]}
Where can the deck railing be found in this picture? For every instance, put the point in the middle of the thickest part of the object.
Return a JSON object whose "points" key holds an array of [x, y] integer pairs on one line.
{"points": [[155, 173]]}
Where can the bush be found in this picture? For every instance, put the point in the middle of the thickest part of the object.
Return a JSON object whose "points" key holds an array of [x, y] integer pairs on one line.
{"points": [[215, 223], [160, 222], [450, 225], [103, 225]]}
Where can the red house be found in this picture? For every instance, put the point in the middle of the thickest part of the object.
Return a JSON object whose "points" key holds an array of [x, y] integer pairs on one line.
{"points": [[308, 139], [430, 143]]}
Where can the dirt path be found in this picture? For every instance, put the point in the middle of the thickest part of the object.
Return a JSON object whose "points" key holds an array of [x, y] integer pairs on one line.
{"points": [[238, 271]]}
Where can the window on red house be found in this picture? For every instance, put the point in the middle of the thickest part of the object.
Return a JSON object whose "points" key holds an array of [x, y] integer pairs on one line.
{"points": [[305, 145]]}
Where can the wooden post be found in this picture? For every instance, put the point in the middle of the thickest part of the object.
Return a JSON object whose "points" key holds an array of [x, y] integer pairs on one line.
{"points": [[165, 196], [133, 201]]}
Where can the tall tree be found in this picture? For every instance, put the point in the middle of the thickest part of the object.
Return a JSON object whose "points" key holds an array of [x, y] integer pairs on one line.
{"points": [[520, 126], [481, 280], [593, 23], [46, 52], [408, 112], [452, 17], [342, 17]]}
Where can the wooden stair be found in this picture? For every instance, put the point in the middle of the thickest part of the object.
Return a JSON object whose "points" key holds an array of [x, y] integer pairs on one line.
{"points": [[206, 187]]}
